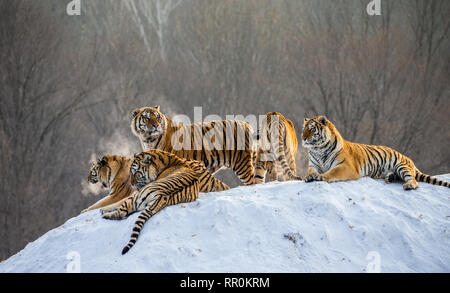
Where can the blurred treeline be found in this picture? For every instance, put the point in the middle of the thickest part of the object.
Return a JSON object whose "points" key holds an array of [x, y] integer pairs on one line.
{"points": [[67, 83]]}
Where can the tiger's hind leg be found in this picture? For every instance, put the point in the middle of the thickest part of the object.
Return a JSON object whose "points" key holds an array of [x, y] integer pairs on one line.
{"points": [[119, 210], [243, 167], [114, 206], [262, 167], [410, 185], [390, 177], [188, 193], [407, 173], [260, 172], [274, 171], [214, 170]]}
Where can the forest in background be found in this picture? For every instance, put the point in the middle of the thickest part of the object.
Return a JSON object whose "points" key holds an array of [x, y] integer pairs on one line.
{"points": [[68, 83]]}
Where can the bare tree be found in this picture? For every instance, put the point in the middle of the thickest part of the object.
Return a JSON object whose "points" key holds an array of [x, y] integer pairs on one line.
{"points": [[68, 83], [32, 110], [152, 16]]}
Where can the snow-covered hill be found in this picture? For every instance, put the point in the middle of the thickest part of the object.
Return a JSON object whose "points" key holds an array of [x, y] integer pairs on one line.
{"points": [[277, 227]]}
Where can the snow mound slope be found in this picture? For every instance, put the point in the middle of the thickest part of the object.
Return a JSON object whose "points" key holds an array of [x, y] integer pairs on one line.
{"points": [[354, 226]]}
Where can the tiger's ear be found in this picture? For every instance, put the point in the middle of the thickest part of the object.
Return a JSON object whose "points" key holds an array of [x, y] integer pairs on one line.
{"points": [[134, 112], [323, 120], [147, 159], [102, 162], [157, 107]]}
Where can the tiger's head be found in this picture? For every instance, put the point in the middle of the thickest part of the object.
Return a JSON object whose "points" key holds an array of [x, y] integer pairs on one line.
{"points": [[148, 123], [144, 169], [104, 170], [317, 132]]}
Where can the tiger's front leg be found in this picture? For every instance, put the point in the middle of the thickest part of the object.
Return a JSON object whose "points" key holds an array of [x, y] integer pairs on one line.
{"points": [[114, 206], [108, 200], [338, 173], [313, 176], [260, 171]]}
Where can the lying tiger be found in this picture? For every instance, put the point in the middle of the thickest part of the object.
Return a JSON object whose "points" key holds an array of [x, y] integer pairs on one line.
{"points": [[332, 158], [162, 179], [112, 172], [276, 157], [218, 144]]}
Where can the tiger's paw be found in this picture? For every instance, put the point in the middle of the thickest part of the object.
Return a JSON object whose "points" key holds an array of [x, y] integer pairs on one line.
{"points": [[410, 185], [115, 215], [108, 210], [313, 177]]}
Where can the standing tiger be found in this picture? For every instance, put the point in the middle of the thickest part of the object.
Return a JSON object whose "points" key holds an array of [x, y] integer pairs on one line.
{"points": [[218, 144], [112, 172], [276, 157], [162, 179], [332, 158]]}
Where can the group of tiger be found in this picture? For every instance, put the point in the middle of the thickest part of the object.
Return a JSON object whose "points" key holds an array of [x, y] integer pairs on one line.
{"points": [[169, 172]]}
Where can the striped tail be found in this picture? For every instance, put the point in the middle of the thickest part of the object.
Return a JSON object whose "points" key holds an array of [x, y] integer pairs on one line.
{"points": [[421, 177], [287, 170], [138, 225], [284, 163]]}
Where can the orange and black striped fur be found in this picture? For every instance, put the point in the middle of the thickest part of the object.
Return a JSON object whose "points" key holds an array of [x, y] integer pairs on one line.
{"points": [[218, 144], [112, 172], [332, 158], [162, 179], [277, 147]]}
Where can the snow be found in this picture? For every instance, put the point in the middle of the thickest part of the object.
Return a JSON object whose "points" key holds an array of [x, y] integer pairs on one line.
{"points": [[353, 226]]}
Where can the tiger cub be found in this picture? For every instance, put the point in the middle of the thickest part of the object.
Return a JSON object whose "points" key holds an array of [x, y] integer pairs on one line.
{"points": [[332, 158], [276, 157], [162, 179], [112, 172], [218, 144]]}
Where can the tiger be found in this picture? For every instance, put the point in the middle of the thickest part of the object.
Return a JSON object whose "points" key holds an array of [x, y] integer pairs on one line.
{"points": [[218, 144], [112, 172], [277, 159], [162, 179], [332, 158]]}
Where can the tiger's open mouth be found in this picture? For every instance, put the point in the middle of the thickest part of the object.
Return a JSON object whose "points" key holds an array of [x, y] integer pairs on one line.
{"points": [[152, 135], [150, 139]]}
